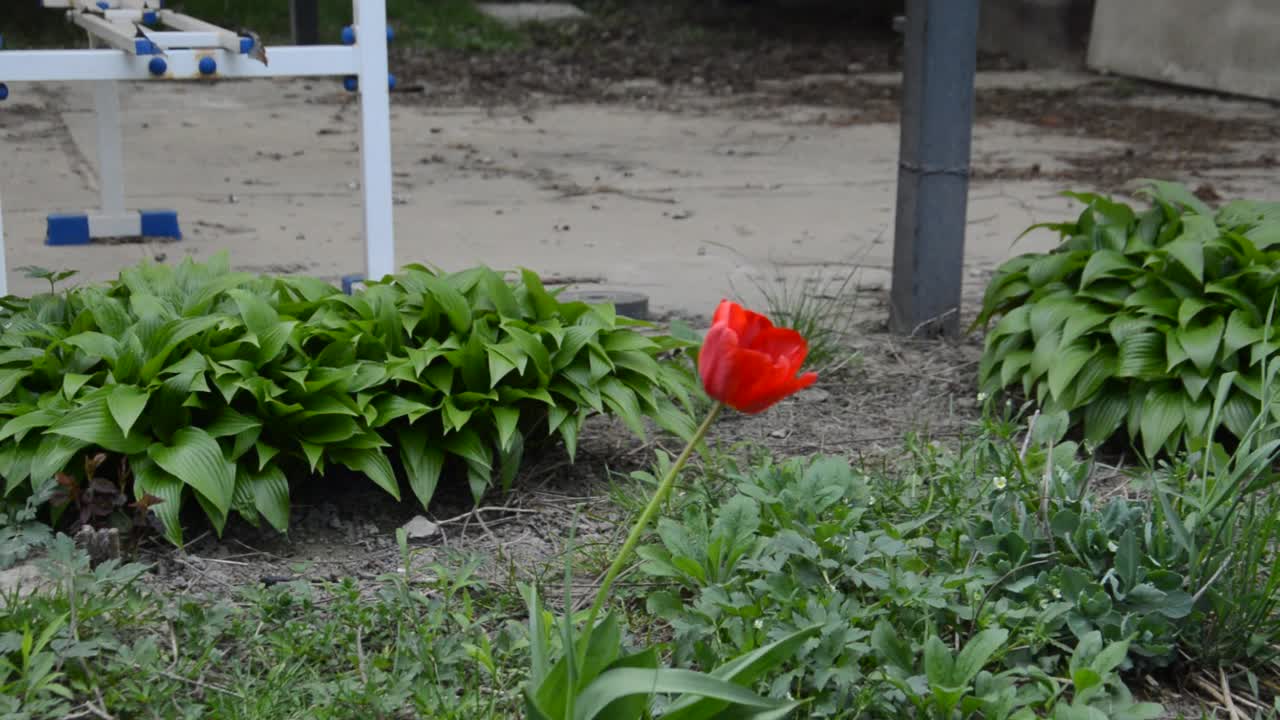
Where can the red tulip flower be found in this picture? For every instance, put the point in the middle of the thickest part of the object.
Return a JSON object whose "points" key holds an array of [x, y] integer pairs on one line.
{"points": [[747, 363]]}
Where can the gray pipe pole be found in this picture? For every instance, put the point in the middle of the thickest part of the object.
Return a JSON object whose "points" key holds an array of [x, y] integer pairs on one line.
{"points": [[933, 168]]}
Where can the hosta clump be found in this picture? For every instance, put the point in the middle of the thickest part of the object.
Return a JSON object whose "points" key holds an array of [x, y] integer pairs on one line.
{"points": [[1154, 321], [222, 386]]}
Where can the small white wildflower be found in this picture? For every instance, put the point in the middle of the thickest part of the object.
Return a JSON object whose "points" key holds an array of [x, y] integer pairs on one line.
{"points": [[759, 624], [1057, 594], [871, 500], [982, 397], [1112, 546], [1001, 482]]}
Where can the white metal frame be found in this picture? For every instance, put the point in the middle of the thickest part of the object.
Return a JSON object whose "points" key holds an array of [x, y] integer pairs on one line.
{"points": [[137, 52]]}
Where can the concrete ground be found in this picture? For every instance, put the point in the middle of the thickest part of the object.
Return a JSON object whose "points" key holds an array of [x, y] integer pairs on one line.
{"points": [[685, 206]]}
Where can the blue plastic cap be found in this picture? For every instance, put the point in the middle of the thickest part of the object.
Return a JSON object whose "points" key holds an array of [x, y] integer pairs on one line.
{"points": [[351, 83], [391, 33], [150, 17], [104, 5], [391, 81], [1, 42], [348, 35], [158, 66], [4, 91], [246, 45], [208, 66], [145, 47], [160, 223]]}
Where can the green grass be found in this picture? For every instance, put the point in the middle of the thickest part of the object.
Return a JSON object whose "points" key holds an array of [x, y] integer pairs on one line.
{"points": [[397, 648], [449, 24]]}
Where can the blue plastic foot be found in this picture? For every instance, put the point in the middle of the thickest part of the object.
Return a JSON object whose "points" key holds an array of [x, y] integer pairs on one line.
{"points": [[158, 66], [4, 91], [208, 66], [161, 224], [349, 283], [68, 230]]}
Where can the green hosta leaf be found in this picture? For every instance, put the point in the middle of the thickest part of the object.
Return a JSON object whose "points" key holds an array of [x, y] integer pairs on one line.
{"points": [[455, 418], [1241, 332], [373, 464], [19, 426], [1175, 194], [195, 458], [1239, 413], [92, 423], [1082, 321], [544, 304], [95, 344], [505, 420], [1105, 414], [569, 433], [1106, 264], [1194, 382], [269, 489], [53, 455], [1196, 412], [622, 401], [1100, 368], [1053, 267], [1014, 363], [1174, 353], [168, 337], [503, 361], [127, 403], [531, 346], [498, 292], [1123, 326], [1201, 341], [450, 301], [466, 444], [1188, 250], [1141, 356], [423, 464], [1066, 367], [1162, 415], [150, 479], [1189, 309], [575, 339], [9, 379], [72, 382], [1044, 355], [1048, 315], [1014, 322]]}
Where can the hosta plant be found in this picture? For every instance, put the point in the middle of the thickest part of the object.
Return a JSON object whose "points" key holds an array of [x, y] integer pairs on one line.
{"points": [[224, 386], [1142, 320]]}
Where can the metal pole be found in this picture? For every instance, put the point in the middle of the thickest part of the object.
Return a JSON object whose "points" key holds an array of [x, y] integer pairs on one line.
{"points": [[4, 271], [375, 137], [933, 170], [304, 19]]}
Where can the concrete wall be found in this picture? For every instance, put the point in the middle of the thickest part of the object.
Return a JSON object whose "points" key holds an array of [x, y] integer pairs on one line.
{"points": [[1038, 33], [1230, 46]]}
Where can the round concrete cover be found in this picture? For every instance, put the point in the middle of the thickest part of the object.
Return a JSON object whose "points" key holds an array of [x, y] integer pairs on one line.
{"points": [[630, 304]]}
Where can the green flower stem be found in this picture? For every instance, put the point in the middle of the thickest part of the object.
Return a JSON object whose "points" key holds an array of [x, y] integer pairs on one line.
{"points": [[646, 517]]}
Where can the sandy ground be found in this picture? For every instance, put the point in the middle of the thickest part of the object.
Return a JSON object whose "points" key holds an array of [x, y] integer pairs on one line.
{"points": [[686, 197]]}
